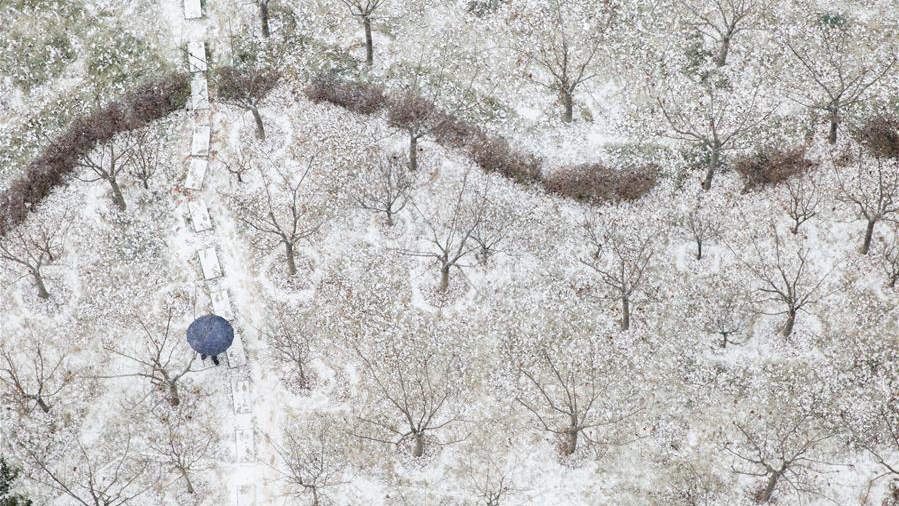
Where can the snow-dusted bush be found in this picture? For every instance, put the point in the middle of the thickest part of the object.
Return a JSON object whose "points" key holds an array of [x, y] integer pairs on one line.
{"points": [[770, 167], [880, 135], [597, 183], [361, 98]]}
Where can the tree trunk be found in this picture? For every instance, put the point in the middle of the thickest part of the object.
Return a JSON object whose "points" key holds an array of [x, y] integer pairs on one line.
{"points": [[625, 313], [567, 106], [834, 123], [770, 487], [788, 325], [260, 128], [893, 280], [41, 404], [174, 398], [418, 449], [413, 152], [39, 283], [187, 482], [263, 18], [369, 45], [570, 442], [713, 166], [869, 233], [291, 263], [444, 278], [117, 197], [389, 214], [698, 250], [795, 228], [723, 340], [721, 60]]}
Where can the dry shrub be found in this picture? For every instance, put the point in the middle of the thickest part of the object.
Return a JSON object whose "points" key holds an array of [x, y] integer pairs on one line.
{"points": [[142, 105], [493, 154], [597, 183], [245, 86], [362, 98], [770, 167], [411, 112], [880, 135]]}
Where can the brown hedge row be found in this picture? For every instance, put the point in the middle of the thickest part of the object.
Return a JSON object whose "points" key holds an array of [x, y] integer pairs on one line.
{"points": [[769, 167], [148, 102], [592, 182], [596, 183]]}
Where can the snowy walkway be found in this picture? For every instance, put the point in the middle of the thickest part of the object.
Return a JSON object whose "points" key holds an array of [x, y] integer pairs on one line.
{"points": [[220, 269]]}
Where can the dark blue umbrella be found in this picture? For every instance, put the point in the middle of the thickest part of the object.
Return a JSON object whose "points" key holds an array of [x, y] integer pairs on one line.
{"points": [[210, 336]]}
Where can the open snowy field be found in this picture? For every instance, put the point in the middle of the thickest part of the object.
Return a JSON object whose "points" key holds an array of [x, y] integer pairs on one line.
{"points": [[466, 252]]}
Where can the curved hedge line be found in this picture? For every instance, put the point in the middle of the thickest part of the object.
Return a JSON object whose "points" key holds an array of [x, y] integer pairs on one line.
{"points": [[148, 102], [491, 153]]}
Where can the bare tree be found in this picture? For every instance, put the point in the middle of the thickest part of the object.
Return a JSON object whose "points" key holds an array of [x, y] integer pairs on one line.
{"points": [[161, 359], [417, 394], [779, 451], [490, 479], [385, 185], [364, 10], [570, 389], [495, 219], [238, 164], [263, 6], [184, 445], [110, 473], [801, 200], [700, 226], [31, 247], [562, 38], [871, 190], [246, 88], [620, 258], [450, 235], [107, 163], [786, 279], [416, 115], [725, 308], [884, 445], [34, 370], [287, 212], [313, 458], [691, 486], [826, 48], [291, 343], [889, 258], [721, 21], [146, 156], [718, 119]]}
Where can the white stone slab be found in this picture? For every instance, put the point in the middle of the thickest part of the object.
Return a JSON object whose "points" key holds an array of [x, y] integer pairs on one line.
{"points": [[196, 56], [193, 9], [209, 261], [221, 304], [199, 143], [246, 494], [246, 445], [243, 401], [196, 171], [237, 356], [199, 215], [199, 93]]}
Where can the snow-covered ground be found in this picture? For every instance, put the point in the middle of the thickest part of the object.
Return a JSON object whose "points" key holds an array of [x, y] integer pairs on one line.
{"points": [[472, 347]]}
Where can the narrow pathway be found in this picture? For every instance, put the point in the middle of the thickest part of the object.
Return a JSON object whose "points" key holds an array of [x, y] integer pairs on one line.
{"points": [[222, 275]]}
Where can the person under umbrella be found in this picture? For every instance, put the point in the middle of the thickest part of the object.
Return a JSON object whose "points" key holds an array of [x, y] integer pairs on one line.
{"points": [[210, 336]]}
